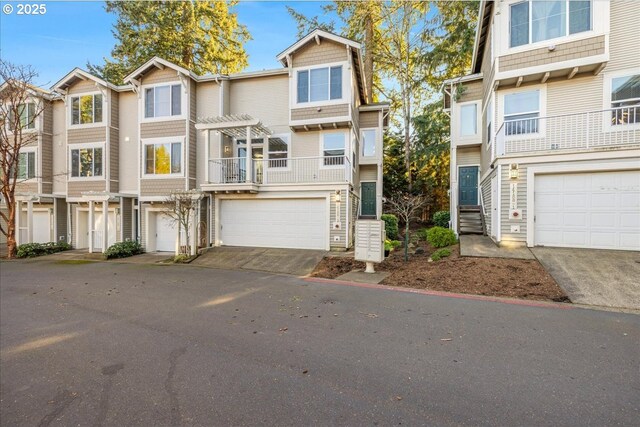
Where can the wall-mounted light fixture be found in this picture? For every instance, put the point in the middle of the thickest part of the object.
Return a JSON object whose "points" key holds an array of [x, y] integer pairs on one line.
{"points": [[514, 172], [338, 196], [227, 149]]}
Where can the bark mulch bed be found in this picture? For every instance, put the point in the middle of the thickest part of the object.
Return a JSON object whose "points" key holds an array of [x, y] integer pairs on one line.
{"points": [[513, 278]]}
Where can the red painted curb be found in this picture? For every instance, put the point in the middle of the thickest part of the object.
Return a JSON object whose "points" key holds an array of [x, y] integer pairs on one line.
{"points": [[441, 293]]}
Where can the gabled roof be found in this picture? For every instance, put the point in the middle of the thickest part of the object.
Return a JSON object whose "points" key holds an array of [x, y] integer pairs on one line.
{"points": [[33, 91], [79, 74], [157, 62], [482, 34], [314, 35]]}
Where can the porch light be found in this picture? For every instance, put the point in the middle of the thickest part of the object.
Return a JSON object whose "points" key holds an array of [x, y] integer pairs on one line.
{"points": [[227, 149], [514, 173], [338, 196]]}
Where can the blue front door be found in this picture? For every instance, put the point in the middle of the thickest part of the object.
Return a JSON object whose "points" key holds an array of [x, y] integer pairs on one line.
{"points": [[468, 185]]}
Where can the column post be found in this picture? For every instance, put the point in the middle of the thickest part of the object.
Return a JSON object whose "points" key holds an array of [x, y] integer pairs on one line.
{"points": [[249, 159], [30, 221], [18, 211], [90, 226], [105, 225]]}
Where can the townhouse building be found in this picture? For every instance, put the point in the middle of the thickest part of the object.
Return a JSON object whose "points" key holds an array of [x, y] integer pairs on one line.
{"points": [[284, 158], [545, 131]]}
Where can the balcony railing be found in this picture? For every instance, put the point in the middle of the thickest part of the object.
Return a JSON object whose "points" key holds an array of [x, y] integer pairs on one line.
{"points": [[297, 170], [570, 132]]}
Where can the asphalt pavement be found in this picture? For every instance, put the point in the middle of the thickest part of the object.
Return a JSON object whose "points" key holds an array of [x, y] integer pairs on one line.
{"points": [[150, 345]]}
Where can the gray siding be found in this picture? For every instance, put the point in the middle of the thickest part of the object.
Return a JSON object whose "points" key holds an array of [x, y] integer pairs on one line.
{"points": [[160, 186], [342, 232], [328, 111], [61, 218], [325, 53], [472, 91], [76, 188], [126, 215], [505, 222], [114, 145], [94, 134], [468, 156], [368, 119], [163, 129]]}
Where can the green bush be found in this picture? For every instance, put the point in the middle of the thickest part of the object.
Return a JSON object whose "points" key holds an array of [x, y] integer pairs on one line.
{"points": [[441, 219], [123, 249], [439, 237], [390, 245], [391, 226], [30, 250], [440, 253], [422, 234]]}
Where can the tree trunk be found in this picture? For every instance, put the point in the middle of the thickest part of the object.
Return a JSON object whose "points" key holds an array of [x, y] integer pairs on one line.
{"points": [[406, 241], [12, 247], [368, 56]]}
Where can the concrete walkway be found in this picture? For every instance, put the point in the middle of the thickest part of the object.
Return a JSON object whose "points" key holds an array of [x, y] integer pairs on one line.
{"points": [[299, 262], [362, 277], [595, 277], [484, 247]]}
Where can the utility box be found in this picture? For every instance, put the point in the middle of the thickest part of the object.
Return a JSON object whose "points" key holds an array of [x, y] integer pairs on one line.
{"points": [[370, 236]]}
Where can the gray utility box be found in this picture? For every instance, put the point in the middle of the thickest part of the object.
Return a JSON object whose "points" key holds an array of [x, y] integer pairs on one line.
{"points": [[370, 236]]}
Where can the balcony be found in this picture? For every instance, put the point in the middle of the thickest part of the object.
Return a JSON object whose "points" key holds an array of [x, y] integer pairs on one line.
{"points": [[590, 131], [230, 174]]}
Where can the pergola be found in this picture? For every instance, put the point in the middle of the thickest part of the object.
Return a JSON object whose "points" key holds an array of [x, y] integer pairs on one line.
{"points": [[241, 126]]}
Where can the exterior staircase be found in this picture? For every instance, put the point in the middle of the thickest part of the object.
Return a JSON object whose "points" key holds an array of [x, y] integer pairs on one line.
{"points": [[471, 220]]}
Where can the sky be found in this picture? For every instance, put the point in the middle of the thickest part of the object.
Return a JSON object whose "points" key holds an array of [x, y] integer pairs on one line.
{"points": [[72, 33]]}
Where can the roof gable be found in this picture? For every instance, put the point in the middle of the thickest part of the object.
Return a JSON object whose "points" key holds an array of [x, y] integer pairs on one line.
{"points": [[315, 36], [78, 74], [157, 62]]}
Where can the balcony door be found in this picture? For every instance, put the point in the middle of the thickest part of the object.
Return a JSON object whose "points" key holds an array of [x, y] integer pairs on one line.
{"points": [[468, 185]]}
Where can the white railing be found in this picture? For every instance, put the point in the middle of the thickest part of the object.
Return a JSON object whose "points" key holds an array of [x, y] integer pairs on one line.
{"points": [[297, 170], [570, 132]]}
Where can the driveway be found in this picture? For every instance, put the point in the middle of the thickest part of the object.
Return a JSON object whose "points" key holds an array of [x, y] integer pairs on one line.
{"points": [[298, 262], [130, 344], [595, 277]]}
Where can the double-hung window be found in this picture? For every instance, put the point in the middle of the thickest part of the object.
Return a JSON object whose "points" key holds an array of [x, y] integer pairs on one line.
{"points": [[625, 100], [278, 151], [86, 162], [26, 165], [319, 84], [535, 21], [163, 159], [86, 109], [521, 112], [468, 119], [333, 149], [27, 116], [368, 141], [163, 101]]}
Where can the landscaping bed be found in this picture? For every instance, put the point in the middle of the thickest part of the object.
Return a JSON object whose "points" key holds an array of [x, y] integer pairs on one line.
{"points": [[513, 278]]}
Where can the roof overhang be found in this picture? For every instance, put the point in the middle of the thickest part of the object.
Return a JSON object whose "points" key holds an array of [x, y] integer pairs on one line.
{"points": [[157, 63], [482, 33], [234, 126], [315, 36], [78, 74]]}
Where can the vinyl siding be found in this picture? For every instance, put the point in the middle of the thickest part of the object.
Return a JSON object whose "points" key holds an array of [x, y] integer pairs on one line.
{"points": [[325, 53], [30, 186], [505, 195], [264, 98], [161, 186], [343, 232], [129, 151], [624, 36], [93, 134], [563, 52], [305, 144], [61, 219], [468, 156], [208, 105], [127, 218], [368, 172], [154, 76], [46, 150], [163, 128], [485, 189], [76, 188], [327, 111], [368, 119], [472, 91], [59, 148], [193, 138], [114, 144], [83, 86]]}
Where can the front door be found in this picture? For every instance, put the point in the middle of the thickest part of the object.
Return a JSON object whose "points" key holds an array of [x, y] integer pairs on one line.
{"points": [[468, 185], [368, 199]]}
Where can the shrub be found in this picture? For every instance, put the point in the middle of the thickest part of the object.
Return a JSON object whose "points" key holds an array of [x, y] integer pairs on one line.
{"points": [[440, 253], [30, 250], [390, 245], [441, 219], [123, 249], [422, 234], [391, 226], [439, 237]]}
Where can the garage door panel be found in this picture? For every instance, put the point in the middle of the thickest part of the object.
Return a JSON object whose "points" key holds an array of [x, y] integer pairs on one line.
{"points": [[41, 227], [596, 210], [278, 223], [166, 233]]}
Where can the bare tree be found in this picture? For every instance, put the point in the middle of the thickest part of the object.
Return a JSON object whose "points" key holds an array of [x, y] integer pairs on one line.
{"points": [[181, 206], [406, 206], [21, 105]]}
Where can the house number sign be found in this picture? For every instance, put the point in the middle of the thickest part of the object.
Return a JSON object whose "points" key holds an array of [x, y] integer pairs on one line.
{"points": [[513, 204]]}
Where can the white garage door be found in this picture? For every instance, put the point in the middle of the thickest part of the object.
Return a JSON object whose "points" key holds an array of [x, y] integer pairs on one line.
{"points": [[588, 210], [41, 227], [166, 232], [274, 223]]}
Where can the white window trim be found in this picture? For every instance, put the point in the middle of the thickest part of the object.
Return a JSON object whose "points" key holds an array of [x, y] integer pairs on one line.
{"points": [[36, 128], [184, 102], [376, 141], [606, 100], [265, 153], [159, 141], [86, 125], [85, 146], [347, 149], [542, 127], [346, 86], [26, 150], [459, 106], [490, 114]]}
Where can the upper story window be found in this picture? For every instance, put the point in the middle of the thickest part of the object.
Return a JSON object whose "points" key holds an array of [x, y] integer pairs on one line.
{"points": [[86, 162], [86, 109], [535, 21], [319, 84], [469, 119], [625, 99], [27, 116], [278, 151], [368, 141], [26, 165], [521, 112], [163, 101], [333, 148], [163, 159]]}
